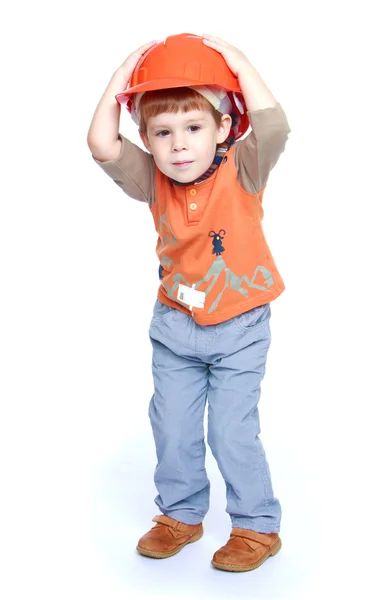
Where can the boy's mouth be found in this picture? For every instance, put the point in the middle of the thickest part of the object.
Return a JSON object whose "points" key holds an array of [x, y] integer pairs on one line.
{"points": [[182, 164]]}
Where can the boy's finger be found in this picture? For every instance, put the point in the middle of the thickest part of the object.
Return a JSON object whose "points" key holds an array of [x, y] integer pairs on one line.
{"points": [[145, 47], [213, 38]]}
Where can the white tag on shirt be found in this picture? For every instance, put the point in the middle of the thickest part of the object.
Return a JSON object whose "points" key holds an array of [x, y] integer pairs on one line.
{"points": [[191, 296]]}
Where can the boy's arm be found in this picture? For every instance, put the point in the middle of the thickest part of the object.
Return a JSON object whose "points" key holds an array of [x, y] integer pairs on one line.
{"points": [[131, 168], [102, 139], [103, 135], [258, 153], [256, 94]]}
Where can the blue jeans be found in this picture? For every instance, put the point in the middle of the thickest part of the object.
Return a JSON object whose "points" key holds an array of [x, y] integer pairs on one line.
{"points": [[224, 363]]}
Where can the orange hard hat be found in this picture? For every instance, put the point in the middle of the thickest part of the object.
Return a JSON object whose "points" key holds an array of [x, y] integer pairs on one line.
{"points": [[183, 60]]}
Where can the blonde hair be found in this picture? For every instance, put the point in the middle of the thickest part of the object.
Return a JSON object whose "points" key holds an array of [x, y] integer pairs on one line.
{"points": [[173, 100]]}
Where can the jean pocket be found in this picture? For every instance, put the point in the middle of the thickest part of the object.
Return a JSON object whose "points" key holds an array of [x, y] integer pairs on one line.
{"points": [[161, 311], [254, 318]]}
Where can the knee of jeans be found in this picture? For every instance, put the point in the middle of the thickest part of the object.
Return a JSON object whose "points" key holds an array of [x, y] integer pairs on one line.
{"points": [[175, 432], [222, 436]]}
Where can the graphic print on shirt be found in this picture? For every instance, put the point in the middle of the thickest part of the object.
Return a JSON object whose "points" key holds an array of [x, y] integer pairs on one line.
{"points": [[233, 281], [168, 235], [217, 241], [216, 270]]}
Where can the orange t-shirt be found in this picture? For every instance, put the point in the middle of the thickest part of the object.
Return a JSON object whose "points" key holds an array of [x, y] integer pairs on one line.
{"points": [[210, 233]]}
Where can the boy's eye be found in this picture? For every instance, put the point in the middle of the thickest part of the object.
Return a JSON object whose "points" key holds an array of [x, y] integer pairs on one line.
{"points": [[194, 127], [162, 133]]}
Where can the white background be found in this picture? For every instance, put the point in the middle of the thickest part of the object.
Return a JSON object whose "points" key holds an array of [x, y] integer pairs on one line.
{"points": [[78, 284]]}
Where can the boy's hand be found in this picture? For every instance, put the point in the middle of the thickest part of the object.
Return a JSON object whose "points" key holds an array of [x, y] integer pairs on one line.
{"points": [[257, 95], [235, 59], [128, 66]]}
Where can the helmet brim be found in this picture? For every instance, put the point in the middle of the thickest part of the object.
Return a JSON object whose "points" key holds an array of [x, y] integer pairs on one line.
{"points": [[162, 84]]}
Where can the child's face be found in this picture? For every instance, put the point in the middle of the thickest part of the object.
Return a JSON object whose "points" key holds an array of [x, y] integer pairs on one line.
{"points": [[183, 144]]}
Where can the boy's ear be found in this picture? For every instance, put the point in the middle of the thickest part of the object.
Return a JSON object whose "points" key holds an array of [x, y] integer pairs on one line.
{"points": [[224, 128], [145, 140]]}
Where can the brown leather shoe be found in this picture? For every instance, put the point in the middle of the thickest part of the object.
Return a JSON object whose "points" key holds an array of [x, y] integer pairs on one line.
{"points": [[168, 537], [246, 550]]}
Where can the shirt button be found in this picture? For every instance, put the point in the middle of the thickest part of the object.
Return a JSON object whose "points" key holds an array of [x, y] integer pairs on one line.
{"points": [[193, 192], [193, 206]]}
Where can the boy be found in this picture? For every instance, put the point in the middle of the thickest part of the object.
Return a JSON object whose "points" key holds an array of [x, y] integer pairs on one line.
{"points": [[210, 329]]}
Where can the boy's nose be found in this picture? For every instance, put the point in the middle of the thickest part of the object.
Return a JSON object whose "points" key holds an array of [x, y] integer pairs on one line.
{"points": [[179, 143]]}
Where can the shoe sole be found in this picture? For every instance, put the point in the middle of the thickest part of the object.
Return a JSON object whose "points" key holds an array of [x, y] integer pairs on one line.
{"points": [[240, 568], [153, 554]]}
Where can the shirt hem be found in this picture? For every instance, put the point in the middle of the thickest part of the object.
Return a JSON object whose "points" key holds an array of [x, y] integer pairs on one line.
{"points": [[234, 311]]}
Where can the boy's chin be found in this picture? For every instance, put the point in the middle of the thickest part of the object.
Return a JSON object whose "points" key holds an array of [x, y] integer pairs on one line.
{"points": [[186, 177]]}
